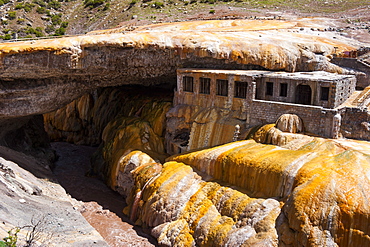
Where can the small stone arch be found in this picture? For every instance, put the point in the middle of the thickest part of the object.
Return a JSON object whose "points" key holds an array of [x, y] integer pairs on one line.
{"points": [[303, 94]]}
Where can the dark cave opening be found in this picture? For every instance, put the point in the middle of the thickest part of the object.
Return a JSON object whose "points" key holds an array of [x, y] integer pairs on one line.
{"points": [[77, 122]]}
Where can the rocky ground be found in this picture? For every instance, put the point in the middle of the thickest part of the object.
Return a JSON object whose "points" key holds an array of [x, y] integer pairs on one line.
{"points": [[100, 206], [32, 199]]}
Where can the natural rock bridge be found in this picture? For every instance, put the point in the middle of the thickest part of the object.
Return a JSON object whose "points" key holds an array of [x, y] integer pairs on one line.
{"points": [[317, 192], [43, 75]]}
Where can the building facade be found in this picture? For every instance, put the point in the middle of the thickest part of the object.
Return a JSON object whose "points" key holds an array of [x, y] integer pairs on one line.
{"points": [[259, 97]]}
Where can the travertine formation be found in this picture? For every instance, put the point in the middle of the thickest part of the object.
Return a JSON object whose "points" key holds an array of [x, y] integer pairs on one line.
{"points": [[184, 210], [84, 120], [322, 186], [44, 75]]}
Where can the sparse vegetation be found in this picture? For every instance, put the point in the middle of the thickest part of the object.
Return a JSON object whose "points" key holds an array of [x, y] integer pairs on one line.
{"points": [[106, 7], [2, 2], [26, 6], [64, 24], [158, 5], [54, 5], [49, 29], [37, 32], [7, 36], [36, 229], [93, 3], [20, 20], [60, 31], [41, 10], [12, 15], [56, 19], [41, 3], [98, 13], [11, 239]]}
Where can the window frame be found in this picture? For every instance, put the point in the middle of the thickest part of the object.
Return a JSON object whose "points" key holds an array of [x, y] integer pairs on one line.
{"points": [[269, 88], [324, 95], [240, 89], [204, 85], [222, 87], [188, 84], [283, 89]]}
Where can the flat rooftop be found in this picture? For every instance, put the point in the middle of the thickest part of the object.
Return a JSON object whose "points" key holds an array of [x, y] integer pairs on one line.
{"points": [[222, 71], [307, 76]]}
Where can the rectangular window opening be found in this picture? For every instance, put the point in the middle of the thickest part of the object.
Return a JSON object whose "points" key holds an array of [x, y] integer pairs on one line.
{"points": [[241, 89], [269, 88], [188, 82], [222, 87], [205, 85], [324, 93], [283, 89]]}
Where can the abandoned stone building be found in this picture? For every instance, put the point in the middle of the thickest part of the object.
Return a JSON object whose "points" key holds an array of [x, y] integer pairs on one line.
{"points": [[260, 97]]}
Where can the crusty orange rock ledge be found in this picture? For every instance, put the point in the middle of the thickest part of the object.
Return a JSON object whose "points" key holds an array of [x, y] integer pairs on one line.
{"points": [[43, 75], [324, 184]]}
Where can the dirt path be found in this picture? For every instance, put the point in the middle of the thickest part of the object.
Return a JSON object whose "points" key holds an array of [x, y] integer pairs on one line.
{"points": [[101, 206]]}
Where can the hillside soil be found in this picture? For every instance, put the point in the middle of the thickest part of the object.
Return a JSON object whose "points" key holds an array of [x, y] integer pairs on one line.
{"points": [[35, 18], [353, 23]]}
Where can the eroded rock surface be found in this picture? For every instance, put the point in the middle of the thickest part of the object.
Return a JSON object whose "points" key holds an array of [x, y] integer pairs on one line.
{"points": [[27, 200]]}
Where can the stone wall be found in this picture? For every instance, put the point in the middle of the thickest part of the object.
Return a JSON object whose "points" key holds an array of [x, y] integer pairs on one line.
{"points": [[356, 123], [340, 87], [363, 79], [316, 119], [317, 114]]}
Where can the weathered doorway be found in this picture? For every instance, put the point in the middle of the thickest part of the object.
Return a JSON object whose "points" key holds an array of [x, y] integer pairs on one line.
{"points": [[303, 95]]}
